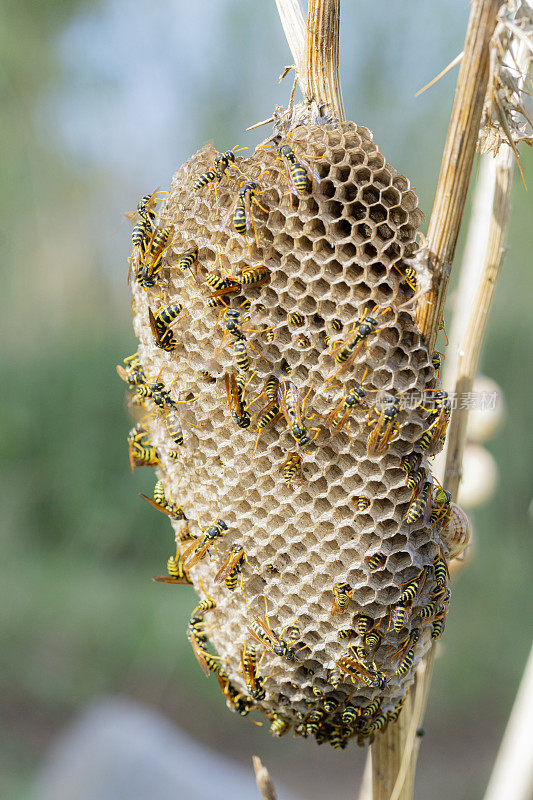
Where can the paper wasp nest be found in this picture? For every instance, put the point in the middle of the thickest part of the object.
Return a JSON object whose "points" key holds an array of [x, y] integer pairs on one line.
{"points": [[336, 255]]}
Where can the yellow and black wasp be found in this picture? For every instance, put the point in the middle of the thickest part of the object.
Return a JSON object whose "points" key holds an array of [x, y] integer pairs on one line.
{"points": [[279, 727], [440, 571], [160, 502], [235, 387], [176, 573], [143, 455], [399, 614], [232, 567], [385, 427], [262, 632], [299, 172], [357, 671], [342, 594], [375, 561], [439, 418], [160, 325], [360, 332], [412, 588], [152, 261], [419, 504], [253, 276], [197, 550], [241, 209], [296, 319], [254, 682], [338, 416], [292, 463], [289, 405]]}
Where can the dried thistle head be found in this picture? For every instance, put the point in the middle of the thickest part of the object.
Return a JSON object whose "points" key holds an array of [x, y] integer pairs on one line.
{"points": [[508, 111], [293, 406]]}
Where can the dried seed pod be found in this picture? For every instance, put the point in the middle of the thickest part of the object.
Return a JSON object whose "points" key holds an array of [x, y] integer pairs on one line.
{"points": [[334, 254]]}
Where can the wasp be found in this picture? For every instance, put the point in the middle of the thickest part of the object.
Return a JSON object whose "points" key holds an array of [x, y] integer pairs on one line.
{"points": [[160, 325], [339, 737], [313, 721], [299, 171], [412, 588], [371, 709], [263, 633], [376, 561], [241, 209], [439, 417], [292, 463], [414, 479], [199, 550], [160, 502], [418, 505], [407, 661], [303, 341], [360, 653], [231, 568], [279, 727], [436, 361], [351, 714], [289, 405], [300, 730], [152, 263], [345, 633], [338, 416], [440, 569], [362, 503], [235, 700], [296, 319], [198, 638], [235, 393], [364, 624], [378, 723], [342, 593], [221, 286], [176, 573], [362, 330], [439, 597], [398, 616], [438, 626], [385, 427], [254, 683], [143, 219], [395, 713], [143, 455], [222, 163], [138, 434], [270, 334], [441, 507], [410, 463], [334, 677], [206, 376], [133, 373], [241, 355], [254, 276], [330, 704], [358, 671], [372, 639]]}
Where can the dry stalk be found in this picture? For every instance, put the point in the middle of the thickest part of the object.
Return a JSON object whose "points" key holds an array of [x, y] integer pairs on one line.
{"points": [[514, 764], [441, 242], [322, 57], [458, 157], [264, 782], [292, 19], [498, 200]]}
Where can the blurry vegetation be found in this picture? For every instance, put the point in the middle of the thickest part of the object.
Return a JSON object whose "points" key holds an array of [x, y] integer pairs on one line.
{"points": [[79, 615]]}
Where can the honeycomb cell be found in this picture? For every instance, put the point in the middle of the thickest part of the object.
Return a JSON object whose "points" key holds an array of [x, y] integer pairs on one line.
{"points": [[330, 256]]}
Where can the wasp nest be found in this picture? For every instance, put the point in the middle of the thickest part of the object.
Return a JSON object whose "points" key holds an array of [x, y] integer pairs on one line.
{"points": [[291, 406]]}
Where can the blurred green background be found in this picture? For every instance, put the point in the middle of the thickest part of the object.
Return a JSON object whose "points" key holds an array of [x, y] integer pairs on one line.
{"points": [[101, 101]]}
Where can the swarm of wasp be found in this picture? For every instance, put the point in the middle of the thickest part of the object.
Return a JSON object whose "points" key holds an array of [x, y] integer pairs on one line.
{"points": [[278, 357]]}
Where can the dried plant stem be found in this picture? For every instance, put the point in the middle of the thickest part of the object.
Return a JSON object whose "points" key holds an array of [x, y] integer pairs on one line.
{"points": [[514, 764], [442, 238], [457, 163], [498, 206], [322, 57], [292, 19], [264, 782]]}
